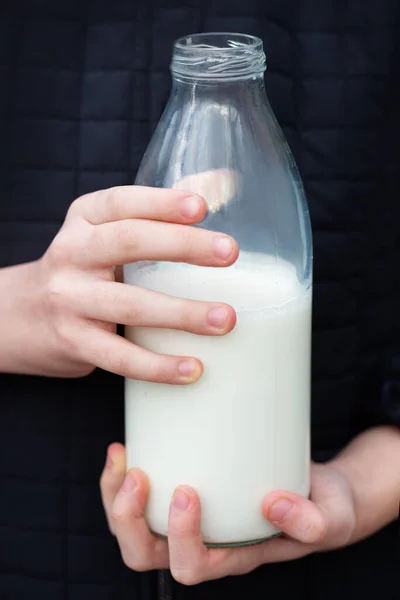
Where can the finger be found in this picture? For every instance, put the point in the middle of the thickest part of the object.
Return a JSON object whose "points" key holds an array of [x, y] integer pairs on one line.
{"points": [[133, 240], [296, 516], [140, 550], [136, 306], [240, 561], [136, 202], [111, 478], [191, 562], [113, 353], [188, 555]]}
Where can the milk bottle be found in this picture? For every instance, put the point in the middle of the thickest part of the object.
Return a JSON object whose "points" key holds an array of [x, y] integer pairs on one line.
{"points": [[243, 429]]}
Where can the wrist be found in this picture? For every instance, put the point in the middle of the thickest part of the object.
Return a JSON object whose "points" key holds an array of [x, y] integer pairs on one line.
{"points": [[371, 465], [27, 344]]}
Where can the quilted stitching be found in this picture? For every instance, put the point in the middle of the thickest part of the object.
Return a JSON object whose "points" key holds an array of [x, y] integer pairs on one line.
{"points": [[82, 87]]}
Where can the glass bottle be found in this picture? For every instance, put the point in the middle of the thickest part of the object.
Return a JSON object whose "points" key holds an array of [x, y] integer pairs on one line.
{"points": [[242, 430]]}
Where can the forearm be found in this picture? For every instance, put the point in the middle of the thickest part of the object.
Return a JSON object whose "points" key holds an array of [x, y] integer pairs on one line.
{"points": [[371, 463], [25, 344]]}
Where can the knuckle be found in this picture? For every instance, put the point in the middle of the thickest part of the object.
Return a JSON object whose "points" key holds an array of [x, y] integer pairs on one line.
{"points": [[178, 530], [188, 577], [315, 532], [62, 249], [184, 314], [131, 311], [116, 514], [75, 208], [78, 207], [96, 237], [118, 363], [136, 562], [113, 198], [59, 298], [128, 236], [344, 529], [186, 242], [323, 526], [110, 525], [102, 485], [159, 369], [104, 480], [67, 338], [59, 292], [59, 303]]}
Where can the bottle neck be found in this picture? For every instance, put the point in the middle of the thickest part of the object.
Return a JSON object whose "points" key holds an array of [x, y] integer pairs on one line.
{"points": [[233, 92]]}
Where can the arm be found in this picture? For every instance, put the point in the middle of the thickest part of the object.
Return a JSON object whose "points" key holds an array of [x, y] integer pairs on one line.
{"points": [[371, 463]]}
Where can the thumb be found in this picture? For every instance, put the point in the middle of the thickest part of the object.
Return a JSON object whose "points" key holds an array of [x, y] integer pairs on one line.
{"points": [[112, 477], [296, 516]]}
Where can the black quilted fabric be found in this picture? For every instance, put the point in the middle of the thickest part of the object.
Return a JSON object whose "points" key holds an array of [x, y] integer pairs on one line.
{"points": [[82, 85]]}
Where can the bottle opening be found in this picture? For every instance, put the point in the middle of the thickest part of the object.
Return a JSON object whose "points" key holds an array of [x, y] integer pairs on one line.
{"points": [[218, 56]]}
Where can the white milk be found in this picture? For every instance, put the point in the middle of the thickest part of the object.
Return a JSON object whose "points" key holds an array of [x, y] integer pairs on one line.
{"points": [[242, 430]]}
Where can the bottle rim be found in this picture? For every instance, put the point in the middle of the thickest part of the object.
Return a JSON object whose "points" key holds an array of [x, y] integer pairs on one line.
{"points": [[218, 56]]}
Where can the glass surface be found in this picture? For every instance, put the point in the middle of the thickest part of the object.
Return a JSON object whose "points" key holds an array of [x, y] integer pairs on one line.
{"points": [[247, 418], [219, 125]]}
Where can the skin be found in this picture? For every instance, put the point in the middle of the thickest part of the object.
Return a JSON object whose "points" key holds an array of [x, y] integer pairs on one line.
{"points": [[58, 318], [71, 299], [352, 497]]}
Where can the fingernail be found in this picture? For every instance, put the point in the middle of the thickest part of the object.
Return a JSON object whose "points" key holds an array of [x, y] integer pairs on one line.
{"points": [[190, 206], [180, 500], [217, 317], [188, 369], [279, 510], [223, 247], [129, 483]]}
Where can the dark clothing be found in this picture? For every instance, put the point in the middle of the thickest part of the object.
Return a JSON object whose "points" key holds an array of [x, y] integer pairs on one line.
{"points": [[82, 85]]}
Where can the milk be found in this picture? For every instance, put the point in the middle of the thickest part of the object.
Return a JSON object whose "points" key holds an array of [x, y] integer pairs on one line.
{"points": [[243, 429]]}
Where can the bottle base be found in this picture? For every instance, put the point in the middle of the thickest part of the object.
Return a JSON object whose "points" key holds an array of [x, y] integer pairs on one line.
{"points": [[234, 544], [242, 544]]}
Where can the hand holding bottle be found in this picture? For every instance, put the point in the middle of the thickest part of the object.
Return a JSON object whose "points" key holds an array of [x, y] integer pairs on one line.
{"points": [[70, 300], [325, 522]]}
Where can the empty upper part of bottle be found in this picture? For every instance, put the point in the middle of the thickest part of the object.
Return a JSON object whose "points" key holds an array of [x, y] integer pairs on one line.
{"points": [[218, 137]]}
